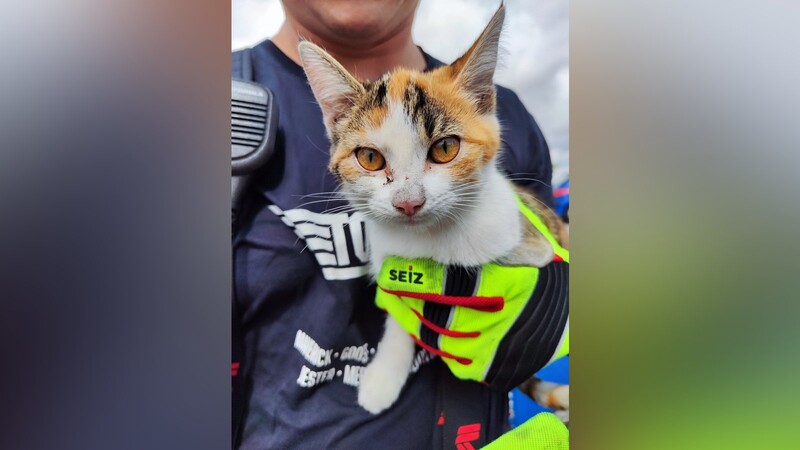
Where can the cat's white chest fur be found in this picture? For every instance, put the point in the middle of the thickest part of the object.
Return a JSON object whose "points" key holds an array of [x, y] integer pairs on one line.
{"points": [[488, 231]]}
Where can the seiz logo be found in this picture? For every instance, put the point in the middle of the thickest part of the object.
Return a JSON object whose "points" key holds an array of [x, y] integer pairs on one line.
{"points": [[406, 276]]}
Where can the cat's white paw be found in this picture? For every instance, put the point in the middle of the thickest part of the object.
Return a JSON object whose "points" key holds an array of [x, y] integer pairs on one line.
{"points": [[383, 378], [380, 386]]}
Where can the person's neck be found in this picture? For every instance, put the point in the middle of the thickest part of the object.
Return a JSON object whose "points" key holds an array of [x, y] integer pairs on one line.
{"points": [[365, 61]]}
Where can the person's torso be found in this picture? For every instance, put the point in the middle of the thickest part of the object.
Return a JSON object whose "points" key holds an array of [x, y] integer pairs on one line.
{"points": [[309, 320]]}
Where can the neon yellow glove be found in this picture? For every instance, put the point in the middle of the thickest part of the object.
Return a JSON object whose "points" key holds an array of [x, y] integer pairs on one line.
{"points": [[543, 431], [494, 324]]}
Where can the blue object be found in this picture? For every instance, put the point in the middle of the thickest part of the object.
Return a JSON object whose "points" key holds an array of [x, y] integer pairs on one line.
{"points": [[523, 408], [561, 197]]}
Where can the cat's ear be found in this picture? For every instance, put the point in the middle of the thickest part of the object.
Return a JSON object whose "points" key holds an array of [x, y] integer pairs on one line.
{"points": [[475, 70], [335, 89]]}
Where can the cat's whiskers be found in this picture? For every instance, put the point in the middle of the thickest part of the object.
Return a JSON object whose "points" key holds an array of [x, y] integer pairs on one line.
{"points": [[322, 195], [314, 202], [340, 196], [326, 153], [340, 209], [514, 177]]}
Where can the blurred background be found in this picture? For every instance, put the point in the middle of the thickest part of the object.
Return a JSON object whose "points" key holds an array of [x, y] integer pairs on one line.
{"points": [[534, 61]]}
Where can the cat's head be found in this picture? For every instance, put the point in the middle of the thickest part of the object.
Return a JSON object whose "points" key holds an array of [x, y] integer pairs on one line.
{"points": [[411, 148]]}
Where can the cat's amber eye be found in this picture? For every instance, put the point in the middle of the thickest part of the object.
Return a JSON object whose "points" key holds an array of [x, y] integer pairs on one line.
{"points": [[444, 150], [370, 159]]}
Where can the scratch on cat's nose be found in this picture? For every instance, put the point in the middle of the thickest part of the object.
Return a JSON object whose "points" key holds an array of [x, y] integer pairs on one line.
{"points": [[389, 175]]}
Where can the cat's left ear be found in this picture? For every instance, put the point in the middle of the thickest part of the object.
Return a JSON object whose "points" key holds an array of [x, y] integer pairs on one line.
{"points": [[335, 89], [475, 70]]}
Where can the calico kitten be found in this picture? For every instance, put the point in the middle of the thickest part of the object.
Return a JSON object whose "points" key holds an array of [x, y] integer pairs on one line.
{"points": [[416, 153]]}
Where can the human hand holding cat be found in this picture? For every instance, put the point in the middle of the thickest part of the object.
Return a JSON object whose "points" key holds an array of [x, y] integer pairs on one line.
{"points": [[493, 323], [496, 323]]}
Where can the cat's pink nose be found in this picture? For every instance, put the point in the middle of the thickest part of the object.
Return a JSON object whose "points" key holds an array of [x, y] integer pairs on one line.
{"points": [[409, 207]]}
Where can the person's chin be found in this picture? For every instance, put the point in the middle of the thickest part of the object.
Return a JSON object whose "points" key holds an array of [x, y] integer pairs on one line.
{"points": [[356, 29]]}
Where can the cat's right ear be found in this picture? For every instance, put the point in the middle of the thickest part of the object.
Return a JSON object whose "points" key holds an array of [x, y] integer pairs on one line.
{"points": [[475, 70], [334, 88]]}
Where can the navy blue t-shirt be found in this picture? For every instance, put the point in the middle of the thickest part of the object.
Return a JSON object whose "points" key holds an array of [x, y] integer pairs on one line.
{"points": [[308, 319]]}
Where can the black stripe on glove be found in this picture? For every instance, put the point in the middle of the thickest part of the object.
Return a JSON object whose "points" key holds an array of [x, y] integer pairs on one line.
{"points": [[531, 341], [459, 281]]}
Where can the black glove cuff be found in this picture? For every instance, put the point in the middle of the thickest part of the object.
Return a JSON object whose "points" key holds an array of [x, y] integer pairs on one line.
{"points": [[534, 337]]}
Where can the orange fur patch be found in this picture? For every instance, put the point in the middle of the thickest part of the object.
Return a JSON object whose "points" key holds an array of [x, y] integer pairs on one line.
{"points": [[552, 401], [398, 83], [374, 117]]}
